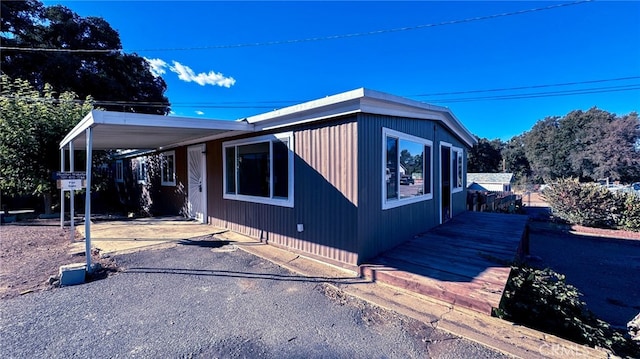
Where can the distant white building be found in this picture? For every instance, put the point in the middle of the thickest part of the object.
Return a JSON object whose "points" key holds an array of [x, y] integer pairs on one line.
{"points": [[493, 182]]}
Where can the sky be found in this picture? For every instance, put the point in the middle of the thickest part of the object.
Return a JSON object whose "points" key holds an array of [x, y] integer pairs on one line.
{"points": [[231, 60]]}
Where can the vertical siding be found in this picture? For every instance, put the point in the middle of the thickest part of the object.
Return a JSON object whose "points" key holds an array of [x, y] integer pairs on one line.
{"points": [[325, 195], [172, 199], [380, 230]]}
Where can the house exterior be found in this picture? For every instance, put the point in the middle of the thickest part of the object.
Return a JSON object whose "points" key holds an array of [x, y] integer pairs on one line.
{"points": [[492, 182], [322, 178]]}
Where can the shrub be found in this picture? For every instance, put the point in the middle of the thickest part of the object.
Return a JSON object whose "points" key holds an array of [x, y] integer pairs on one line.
{"points": [[590, 204], [629, 206], [541, 299]]}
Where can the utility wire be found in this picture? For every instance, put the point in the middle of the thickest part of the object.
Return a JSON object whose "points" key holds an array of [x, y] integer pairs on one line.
{"points": [[278, 104], [527, 87], [310, 39]]}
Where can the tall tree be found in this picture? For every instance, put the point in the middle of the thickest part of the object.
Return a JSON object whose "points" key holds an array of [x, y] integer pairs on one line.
{"points": [[587, 145], [116, 80], [515, 160], [31, 126], [485, 156]]}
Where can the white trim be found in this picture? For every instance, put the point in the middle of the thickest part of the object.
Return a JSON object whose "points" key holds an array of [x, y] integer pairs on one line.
{"points": [[162, 181], [141, 175], [283, 202], [454, 170], [393, 203]]}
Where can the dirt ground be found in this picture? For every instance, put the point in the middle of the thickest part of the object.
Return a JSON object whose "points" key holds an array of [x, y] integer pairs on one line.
{"points": [[31, 252]]}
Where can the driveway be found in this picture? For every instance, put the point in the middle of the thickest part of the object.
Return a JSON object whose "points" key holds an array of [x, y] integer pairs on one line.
{"points": [[201, 299]]}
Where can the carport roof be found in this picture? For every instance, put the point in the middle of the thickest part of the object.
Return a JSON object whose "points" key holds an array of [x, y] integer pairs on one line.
{"points": [[123, 130]]}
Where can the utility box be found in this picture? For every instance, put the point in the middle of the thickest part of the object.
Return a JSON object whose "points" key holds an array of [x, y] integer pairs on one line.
{"points": [[72, 274]]}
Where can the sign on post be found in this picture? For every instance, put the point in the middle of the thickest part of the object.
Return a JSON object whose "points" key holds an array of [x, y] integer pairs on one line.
{"points": [[71, 180]]}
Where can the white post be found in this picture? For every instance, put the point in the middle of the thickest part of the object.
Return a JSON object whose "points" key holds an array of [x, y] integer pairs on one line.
{"points": [[87, 201], [72, 194], [62, 190]]}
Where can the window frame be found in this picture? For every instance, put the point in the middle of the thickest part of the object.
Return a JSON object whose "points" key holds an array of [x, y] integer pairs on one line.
{"points": [[142, 172], [457, 167], [271, 200], [163, 162], [119, 175], [398, 202]]}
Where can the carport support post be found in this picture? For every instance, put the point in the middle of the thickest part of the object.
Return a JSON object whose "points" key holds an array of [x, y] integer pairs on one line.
{"points": [[62, 190], [87, 201], [72, 194]]}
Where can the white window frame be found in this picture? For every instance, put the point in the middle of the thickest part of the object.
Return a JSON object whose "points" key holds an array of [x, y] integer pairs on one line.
{"points": [[393, 203], [455, 167], [141, 174], [283, 202], [162, 168], [119, 171]]}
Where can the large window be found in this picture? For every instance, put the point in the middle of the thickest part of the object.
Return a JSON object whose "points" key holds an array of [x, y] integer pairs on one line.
{"points": [[457, 165], [259, 169], [141, 169], [406, 169], [168, 168]]}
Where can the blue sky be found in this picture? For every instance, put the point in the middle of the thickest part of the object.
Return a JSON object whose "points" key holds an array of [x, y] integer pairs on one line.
{"points": [[194, 43]]}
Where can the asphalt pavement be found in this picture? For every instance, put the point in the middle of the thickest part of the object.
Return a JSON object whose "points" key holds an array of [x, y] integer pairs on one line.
{"points": [[198, 300]]}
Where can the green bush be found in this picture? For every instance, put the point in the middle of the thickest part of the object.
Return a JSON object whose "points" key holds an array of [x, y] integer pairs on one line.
{"points": [[592, 205], [541, 299], [629, 205]]}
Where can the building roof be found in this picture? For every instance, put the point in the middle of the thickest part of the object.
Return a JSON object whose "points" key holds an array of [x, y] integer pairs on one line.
{"points": [[362, 101], [480, 178], [120, 130]]}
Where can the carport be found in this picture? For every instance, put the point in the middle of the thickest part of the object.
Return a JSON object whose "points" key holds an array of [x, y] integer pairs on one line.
{"points": [[107, 130]]}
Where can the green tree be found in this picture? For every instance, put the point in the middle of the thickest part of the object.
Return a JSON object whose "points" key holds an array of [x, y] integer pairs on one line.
{"points": [[31, 125], [515, 160], [485, 156], [114, 79], [586, 145]]}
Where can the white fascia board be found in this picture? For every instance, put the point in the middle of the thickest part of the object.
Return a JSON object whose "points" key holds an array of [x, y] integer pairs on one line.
{"points": [[79, 129], [310, 106]]}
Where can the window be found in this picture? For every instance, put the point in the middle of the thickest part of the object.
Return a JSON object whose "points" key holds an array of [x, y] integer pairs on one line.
{"points": [[168, 168], [406, 169], [457, 165], [141, 169], [259, 169], [119, 171]]}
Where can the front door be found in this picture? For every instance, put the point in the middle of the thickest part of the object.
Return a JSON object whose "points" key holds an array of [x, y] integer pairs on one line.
{"points": [[445, 183], [197, 188]]}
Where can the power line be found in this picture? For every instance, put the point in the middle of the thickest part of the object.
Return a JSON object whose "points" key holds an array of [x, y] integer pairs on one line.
{"points": [[542, 94], [527, 87], [310, 39]]}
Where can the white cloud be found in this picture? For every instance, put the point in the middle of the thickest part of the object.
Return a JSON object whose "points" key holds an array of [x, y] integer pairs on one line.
{"points": [[157, 66], [185, 73], [199, 113]]}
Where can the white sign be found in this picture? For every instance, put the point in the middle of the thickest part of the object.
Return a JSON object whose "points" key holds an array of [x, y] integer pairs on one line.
{"points": [[71, 184]]}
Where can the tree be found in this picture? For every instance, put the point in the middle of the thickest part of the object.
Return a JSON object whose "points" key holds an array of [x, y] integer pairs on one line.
{"points": [[485, 156], [515, 160], [31, 125], [587, 145], [117, 81]]}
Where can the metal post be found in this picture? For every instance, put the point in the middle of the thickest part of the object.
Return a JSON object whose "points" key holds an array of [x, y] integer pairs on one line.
{"points": [[72, 194], [62, 190], [87, 201]]}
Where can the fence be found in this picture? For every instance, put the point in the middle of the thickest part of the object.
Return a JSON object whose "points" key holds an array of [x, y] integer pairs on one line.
{"points": [[493, 201]]}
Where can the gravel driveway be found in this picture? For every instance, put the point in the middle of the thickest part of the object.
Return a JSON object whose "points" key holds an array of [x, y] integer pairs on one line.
{"points": [[202, 301]]}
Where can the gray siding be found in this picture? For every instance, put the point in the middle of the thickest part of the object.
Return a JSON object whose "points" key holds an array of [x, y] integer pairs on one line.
{"points": [[325, 195], [380, 230]]}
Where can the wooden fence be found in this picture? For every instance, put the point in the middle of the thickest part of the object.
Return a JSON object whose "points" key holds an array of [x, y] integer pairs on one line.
{"points": [[506, 202]]}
